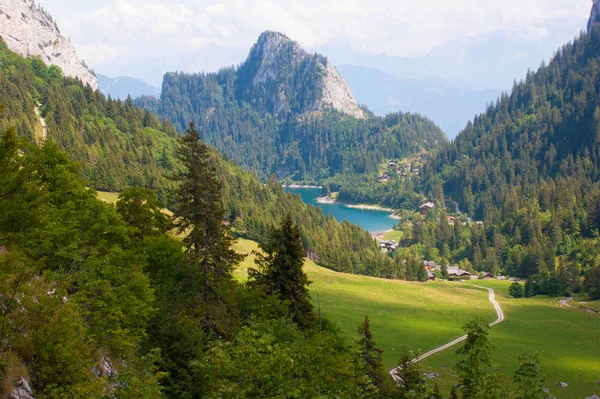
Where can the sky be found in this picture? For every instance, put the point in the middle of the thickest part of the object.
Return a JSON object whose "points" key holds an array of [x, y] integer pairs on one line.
{"points": [[144, 38]]}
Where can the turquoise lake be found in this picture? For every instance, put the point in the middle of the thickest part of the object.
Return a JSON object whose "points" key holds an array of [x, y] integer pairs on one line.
{"points": [[370, 220]]}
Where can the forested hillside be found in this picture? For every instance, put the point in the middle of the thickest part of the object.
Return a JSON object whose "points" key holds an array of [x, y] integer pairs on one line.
{"points": [[268, 124], [119, 145], [528, 168]]}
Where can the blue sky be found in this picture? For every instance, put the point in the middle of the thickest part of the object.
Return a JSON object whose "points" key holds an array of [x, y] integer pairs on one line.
{"points": [[139, 38]]}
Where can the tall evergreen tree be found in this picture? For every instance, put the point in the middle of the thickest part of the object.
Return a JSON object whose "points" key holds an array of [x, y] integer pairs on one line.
{"points": [[411, 382], [475, 359], [281, 274], [371, 355], [200, 215]]}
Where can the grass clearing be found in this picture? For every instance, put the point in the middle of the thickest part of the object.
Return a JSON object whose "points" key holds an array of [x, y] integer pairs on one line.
{"points": [[393, 235], [567, 340], [425, 316]]}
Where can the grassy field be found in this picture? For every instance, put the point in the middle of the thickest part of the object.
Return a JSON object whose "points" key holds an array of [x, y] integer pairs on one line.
{"points": [[567, 340], [394, 235], [397, 309], [108, 197], [425, 316]]}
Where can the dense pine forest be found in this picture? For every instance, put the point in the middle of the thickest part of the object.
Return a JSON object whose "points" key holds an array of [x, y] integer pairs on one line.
{"points": [[271, 129], [528, 169]]}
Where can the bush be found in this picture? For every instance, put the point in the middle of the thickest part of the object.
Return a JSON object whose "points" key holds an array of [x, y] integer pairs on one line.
{"points": [[516, 290]]}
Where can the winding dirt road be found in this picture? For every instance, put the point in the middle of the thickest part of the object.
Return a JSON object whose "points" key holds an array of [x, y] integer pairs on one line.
{"points": [[500, 319]]}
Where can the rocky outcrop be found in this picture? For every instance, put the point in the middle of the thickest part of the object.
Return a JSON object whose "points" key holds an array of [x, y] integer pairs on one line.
{"points": [[22, 390], [30, 31], [275, 60], [595, 15]]}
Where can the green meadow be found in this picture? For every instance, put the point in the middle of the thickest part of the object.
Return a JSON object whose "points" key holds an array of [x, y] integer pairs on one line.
{"points": [[425, 316]]}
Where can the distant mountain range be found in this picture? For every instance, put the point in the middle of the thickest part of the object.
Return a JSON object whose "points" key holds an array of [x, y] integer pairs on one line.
{"points": [[123, 86], [447, 105]]}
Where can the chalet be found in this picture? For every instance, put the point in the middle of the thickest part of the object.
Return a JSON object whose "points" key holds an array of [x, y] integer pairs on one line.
{"points": [[430, 275], [430, 265], [425, 208], [455, 271], [392, 163], [384, 177], [388, 245], [451, 220]]}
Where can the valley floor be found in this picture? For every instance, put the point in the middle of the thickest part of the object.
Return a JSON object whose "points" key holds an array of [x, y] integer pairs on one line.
{"points": [[426, 316]]}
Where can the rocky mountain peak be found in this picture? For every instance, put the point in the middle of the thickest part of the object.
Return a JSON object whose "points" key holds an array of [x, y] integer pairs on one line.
{"points": [[282, 65], [30, 31], [595, 15]]}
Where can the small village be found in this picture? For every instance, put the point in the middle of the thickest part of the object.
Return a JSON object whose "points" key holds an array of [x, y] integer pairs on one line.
{"points": [[434, 271], [406, 170]]}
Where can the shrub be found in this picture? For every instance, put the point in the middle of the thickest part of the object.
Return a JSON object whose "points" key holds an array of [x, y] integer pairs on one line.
{"points": [[516, 290]]}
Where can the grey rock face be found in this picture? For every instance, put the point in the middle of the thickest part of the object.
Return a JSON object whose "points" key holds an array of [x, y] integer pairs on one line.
{"points": [[30, 32], [22, 390], [336, 93], [595, 16]]}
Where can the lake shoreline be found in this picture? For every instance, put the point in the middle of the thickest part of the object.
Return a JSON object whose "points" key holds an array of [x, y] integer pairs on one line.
{"points": [[327, 200], [299, 186]]}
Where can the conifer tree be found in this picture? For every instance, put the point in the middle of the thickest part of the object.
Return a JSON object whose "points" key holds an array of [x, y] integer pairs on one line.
{"points": [[475, 359], [410, 373], [200, 214], [281, 274], [371, 355]]}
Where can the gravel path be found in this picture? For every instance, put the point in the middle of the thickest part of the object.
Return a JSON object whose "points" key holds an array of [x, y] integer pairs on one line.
{"points": [[43, 123], [500, 319]]}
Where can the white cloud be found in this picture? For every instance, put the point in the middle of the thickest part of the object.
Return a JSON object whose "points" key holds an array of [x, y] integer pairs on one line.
{"points": [[108, 31]]}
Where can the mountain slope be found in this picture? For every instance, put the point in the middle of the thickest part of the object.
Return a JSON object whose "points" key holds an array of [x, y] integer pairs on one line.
{"points": [[119, 145], [285, 112], [529, 169], [30, 31]]}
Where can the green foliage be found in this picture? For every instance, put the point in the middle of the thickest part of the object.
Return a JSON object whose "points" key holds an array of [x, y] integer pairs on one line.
{"points": [[529, 378], [592, 282], [516, 290], [199, 211], [114, 143], [280, 272], [370, 358], [412, 383], [475, 359], [141, 209], [142, 379]]}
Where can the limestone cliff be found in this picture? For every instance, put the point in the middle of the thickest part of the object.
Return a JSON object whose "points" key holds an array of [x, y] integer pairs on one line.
{"points": [[595, 15], [282, 70], [30, 31]]}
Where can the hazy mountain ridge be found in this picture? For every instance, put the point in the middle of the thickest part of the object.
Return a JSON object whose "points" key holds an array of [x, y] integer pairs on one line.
{"points": [[123, 86], [447, 105], [30, 31]]}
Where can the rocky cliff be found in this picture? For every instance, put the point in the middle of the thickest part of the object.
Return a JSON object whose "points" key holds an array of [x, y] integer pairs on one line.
{"points": [[595, 15], [285, 72], [30, 31]]}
